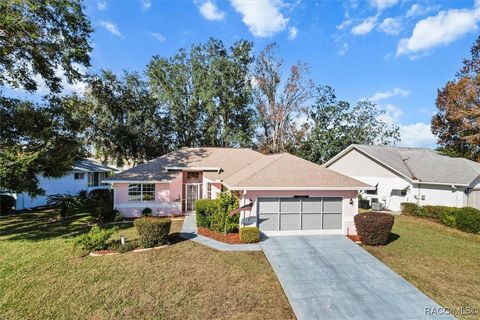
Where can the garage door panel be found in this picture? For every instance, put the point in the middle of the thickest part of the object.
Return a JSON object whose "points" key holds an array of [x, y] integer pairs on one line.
{"points": [[268, 222], [268, 205], [332, 205], [311, 205], [290, 205], [290, 222], [332, 221], [311, 221]]}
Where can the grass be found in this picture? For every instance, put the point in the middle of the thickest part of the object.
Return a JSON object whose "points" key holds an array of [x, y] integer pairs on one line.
{"points": [[442, 262], [42, 277]]}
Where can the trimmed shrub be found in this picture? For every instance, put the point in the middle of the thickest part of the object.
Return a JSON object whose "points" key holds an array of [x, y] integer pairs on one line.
{"points": [[96, 239], [152, 231], [446, 215], [468, 220], [374, 227], [147, 212], [122, 248], [249, 235], [221, 221], [6, 203], [204, 210]]}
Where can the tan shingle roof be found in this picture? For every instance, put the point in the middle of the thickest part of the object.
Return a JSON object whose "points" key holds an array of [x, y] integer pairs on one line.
{"points": [[242, 168], [288, 171]]}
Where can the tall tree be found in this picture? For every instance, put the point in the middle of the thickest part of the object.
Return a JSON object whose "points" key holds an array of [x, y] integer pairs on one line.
{"points": [[336, 125], [457, 122], [40, 37], [207, 93], [35, 139], [123, 122], [279, 104]]}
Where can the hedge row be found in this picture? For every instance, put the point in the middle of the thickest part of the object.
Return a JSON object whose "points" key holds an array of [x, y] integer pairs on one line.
{"points": [[214, 214], [466, 219], [249, 234]]}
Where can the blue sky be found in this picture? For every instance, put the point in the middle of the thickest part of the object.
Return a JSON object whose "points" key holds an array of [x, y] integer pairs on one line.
{"points": [[395, 52]]}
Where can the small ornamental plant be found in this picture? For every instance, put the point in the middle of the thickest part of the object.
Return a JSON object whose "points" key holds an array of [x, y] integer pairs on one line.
{"points": [[374, 227]]}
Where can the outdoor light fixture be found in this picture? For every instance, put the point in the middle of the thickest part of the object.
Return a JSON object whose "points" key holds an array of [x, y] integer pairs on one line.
{"points": [[351, 201]]}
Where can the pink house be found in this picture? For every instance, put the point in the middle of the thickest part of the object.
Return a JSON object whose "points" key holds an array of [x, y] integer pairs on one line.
{"points": [[281, 193]]}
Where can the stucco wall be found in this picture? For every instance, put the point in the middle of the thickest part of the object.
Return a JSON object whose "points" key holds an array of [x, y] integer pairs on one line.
{"points": [[474, 199], [248, 218], [66, 184], [167, 200], [443, 195]]}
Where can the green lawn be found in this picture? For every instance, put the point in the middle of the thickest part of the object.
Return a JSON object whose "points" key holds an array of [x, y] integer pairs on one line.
{"points": [[442, 262], [42, 277]]}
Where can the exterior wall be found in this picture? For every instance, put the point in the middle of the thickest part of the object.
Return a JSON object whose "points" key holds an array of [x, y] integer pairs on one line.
{"points": [[168, 198], [443, 195], [66, 184], [249, 218], [474, 199], [216, 188]]}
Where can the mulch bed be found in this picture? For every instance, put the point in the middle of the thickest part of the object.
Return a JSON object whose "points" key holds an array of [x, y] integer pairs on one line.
{"points": [[354, 237], [231, 238]]}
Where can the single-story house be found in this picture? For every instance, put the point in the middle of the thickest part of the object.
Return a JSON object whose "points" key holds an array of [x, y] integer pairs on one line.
{"points": [[283, 193], [416, 175], [86, 174]]}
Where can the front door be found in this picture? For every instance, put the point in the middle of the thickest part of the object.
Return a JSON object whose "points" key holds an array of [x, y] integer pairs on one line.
{"points": [[193, 193]]}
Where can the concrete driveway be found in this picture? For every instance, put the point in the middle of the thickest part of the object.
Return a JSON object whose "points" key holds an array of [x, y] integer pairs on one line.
{"points": [[330, 277]]}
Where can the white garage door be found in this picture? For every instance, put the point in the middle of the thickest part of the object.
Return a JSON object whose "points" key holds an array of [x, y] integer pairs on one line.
{"points": [[282, 214]]}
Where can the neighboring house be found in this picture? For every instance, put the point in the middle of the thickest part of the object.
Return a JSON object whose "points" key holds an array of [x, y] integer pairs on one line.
{"points": [[278, 193], [415, 175], [86, 174]]}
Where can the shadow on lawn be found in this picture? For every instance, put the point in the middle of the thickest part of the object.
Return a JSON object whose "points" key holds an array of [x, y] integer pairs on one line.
{"points": [[36, 227], [393, 237]]}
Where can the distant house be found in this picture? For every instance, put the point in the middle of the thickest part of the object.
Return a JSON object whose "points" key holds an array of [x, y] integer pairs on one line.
{"points": [[279, 193], [86, 174], [416, 175]]}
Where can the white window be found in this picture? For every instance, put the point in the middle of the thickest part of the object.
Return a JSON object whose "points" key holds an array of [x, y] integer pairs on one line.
{"points": [[79, 175], [209, 191], [141, 192]]}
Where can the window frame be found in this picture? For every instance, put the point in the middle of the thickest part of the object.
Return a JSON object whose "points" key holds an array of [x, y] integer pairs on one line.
{"points": [[79, 176], [151, 191]]}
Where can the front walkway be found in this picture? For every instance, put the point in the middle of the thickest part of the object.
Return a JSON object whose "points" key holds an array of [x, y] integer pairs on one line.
{"points": [[189, 231], [330, 277]]}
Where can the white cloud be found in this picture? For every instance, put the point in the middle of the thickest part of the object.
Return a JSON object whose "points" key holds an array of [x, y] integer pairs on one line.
{"points": [[263, 17], [417, 9], [110, 27], [209, 11], [101, 5], [345, 24], [365, 27], [383, 4], [391, 26], [292, 33], [157, 36], [146, 4], [388, 94], [441, 29], [417, 135], [343, 49], [392, 114]]}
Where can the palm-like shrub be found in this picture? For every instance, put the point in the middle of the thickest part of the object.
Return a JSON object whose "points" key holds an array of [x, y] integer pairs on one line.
{"points": [[64, 202]]}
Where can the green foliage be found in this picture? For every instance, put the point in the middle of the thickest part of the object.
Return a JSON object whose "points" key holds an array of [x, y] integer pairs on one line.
{"points": [[468, 220], [122, 118], [64, 202], [147, 212], [117, 246], [337, 124], [413, 209], [36, 139], [6, 204], [204, 210], [221, 221], [38, 38], [96, 239], [249, 234], [374, 227], [98, 203], [118, 216], [153, 231], [207, 93]]}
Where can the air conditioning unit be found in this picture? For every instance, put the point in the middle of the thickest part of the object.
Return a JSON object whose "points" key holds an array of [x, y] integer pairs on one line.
{"points": [[377, 206]]}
